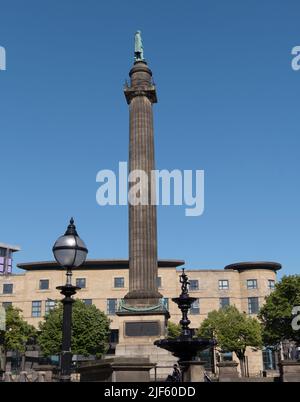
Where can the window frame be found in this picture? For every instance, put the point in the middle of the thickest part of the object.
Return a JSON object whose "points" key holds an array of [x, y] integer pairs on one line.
{"points": [[44, 281], [81, 279], [273, 282], [49, 307], [108, 312], [250, 305], [195, 310], [11, 285], [6, 304], [191, 287], [254, 284], [115, 283], [220, 302], [221, 284], [87, 302], [38, 309]]}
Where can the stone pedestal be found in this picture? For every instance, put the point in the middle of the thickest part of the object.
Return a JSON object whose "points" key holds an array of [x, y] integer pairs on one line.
{"points": [[192, 371], [228, 371], [116, 369], [137, 333], [289, 371]]}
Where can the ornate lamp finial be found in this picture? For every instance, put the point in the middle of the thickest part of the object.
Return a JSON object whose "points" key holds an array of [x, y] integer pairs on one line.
{"points": [[71, 230]]}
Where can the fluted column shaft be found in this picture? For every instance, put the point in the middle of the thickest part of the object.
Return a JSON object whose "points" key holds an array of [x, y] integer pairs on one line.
{"points": [[142, 218]]}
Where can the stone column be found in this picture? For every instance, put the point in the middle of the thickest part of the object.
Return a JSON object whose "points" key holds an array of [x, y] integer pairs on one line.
{"points": [[140, 96]]}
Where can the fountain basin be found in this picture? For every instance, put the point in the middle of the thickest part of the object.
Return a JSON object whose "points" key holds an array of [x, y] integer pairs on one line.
{"points": [[185, 348]]}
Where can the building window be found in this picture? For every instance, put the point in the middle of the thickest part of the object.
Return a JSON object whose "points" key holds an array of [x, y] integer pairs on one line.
{"points": [[194, 284], [158, 282], [195, 307], [252, 284], [223, 284], [111, 306], [166, 302], [2, 252], [271, 284], [6, 305], [44, 284], [87, 302], [49, 305], [81, 283], [8, 288], [119, 282], [253, 305], [36, 309], [224, 302], [114, 336], [269, 359]]}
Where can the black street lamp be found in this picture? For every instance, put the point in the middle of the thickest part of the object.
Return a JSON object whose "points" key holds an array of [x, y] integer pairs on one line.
{"points": [[70, 252]]}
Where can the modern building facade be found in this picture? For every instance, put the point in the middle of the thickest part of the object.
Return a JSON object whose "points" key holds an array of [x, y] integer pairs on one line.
{"points": [[6, 252], [105, 283]]}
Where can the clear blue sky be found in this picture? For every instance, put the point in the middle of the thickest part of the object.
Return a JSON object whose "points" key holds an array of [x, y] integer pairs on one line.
{"points": [[228, 104]]}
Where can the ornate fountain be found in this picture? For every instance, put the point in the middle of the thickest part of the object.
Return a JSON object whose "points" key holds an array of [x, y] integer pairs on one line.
{"points": [[185, 346]]}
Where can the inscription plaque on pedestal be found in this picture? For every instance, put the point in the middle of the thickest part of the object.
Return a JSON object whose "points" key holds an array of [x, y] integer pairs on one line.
{"points": [[142, 328]]}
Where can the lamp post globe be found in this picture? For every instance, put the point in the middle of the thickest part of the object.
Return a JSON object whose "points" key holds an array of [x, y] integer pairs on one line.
{"points": [[70, 252]]}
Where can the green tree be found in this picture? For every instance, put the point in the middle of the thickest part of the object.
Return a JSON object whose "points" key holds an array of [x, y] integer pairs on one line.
{"points": [[90, 330], [276, 313], [233, 331], [174, 330], [18, 333]]}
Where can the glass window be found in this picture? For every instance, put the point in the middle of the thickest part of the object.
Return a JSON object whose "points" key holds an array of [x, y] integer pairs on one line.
{"points": [[2, 252], [8, 288], [49, 305], [195, 307], [9, 265], [224, 302], [2, 264], [44, 284], [253, 305], [269, 360], [158, 282], [6, 304], [194, 284], [87, 302], [251, 283], [111, 306], [36, 309], [223, 284], [166, 302], [271, 284], [81, 283], [118, 282], [114, 336]]}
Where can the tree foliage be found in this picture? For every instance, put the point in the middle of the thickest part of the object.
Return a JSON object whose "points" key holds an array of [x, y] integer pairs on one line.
{"points": [[90, 330], [233, 331], [18, 331], [174, 330], [276, 313]]}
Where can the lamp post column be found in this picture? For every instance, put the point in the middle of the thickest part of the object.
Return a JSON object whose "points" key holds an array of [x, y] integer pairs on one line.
{"points": [[70, 252], [66, 355]]}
